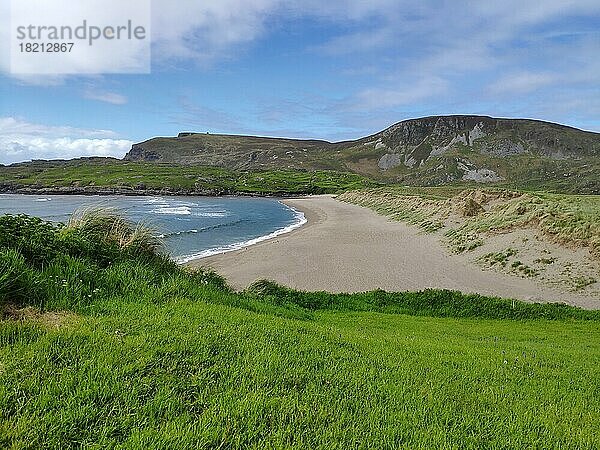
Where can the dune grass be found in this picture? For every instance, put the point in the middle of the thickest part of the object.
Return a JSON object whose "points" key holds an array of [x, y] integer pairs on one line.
{"points": [[566, 219], [153, 356], [109, 226]]}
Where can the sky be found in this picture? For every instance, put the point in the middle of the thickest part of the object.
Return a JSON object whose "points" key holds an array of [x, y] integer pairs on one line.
{"points": [[334, 70]]}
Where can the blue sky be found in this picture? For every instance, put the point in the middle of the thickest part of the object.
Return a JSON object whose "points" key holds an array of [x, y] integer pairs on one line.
{"points": [[333, 70]]}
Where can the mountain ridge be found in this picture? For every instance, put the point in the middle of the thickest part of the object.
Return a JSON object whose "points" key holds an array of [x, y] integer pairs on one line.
{"points": [[428, 150], [518, 119], [432, 151]]}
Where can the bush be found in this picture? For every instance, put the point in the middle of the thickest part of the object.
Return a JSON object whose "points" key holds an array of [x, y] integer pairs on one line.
{"points": [[15, 277], [35, 239]]}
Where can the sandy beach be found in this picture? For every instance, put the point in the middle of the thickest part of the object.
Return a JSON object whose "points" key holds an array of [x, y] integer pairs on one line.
{"points": [[348, 248]]}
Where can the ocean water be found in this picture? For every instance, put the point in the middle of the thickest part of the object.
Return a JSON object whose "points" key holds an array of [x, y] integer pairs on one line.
{"points": [[191, 227]]}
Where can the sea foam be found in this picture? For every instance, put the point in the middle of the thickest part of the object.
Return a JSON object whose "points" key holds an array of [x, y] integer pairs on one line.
{"points": [[175, 210], [300, 220]]}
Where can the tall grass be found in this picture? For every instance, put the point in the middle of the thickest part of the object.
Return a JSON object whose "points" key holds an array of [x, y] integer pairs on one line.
{"points": [[109, 226], [54, 266], [13, 277], [430, 302]]}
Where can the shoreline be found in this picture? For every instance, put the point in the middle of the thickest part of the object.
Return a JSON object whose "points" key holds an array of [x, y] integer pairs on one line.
{"points": [[348, 248], [309, 219], [300, 222], [132, 192]]}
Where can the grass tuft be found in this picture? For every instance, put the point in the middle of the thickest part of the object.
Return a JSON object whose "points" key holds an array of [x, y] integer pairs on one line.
{"points": [[107, 225]]}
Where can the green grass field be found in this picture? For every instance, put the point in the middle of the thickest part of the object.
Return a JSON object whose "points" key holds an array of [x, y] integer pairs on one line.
{"points": [[145, 355], [98, 174]]}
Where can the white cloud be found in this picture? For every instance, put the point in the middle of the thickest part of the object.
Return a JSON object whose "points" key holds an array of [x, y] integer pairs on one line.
{"points": [[89, 54], [105, 96], [349, 10], [22, 141], [522, 82], [456, 35], [4, 36], [403, 94], [121, 55], [519, 12], [357, 42], [208, 30]]}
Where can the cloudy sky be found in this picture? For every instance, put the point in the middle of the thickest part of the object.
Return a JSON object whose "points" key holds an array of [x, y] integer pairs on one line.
{"points": [[312, 69]]}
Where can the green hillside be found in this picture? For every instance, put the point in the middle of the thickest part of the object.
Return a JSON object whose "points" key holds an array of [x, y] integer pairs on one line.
{"points": [[105, 344], [111, 176], [428, 151]]}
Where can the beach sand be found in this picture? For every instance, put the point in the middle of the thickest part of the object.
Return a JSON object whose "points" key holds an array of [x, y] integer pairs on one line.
{"points": [[348, 248]]}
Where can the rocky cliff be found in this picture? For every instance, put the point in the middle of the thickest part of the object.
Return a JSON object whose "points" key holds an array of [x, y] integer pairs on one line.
{"points": [[413, 142]]}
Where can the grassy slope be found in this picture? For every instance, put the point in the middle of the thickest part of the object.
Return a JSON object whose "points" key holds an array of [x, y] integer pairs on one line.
{"points": [[529, 172], [574, 177], [242, 152], [100, 174], [154, 357], [185, 373]]}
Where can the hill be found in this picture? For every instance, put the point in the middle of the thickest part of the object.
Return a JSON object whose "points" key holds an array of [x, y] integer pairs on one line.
{"points": [[427, 151], [432, 151], [115, 177]]}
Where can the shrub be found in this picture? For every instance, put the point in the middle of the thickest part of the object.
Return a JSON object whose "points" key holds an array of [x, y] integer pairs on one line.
{"points": [[35, 239], [14, 277]]}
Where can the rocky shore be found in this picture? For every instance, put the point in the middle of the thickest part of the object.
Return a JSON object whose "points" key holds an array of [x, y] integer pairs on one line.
{"points": [[125, 190]]}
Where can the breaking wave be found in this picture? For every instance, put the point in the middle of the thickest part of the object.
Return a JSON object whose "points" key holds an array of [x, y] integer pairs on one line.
{"points": [[300, 220]]}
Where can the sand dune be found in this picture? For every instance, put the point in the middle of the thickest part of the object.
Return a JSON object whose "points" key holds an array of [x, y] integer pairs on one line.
{"points": [[348, 248]]}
